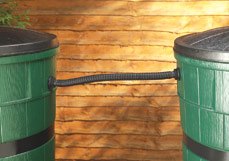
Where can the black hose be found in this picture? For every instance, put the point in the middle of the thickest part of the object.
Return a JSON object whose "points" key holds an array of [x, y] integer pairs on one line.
{"points": [[113, 77]]}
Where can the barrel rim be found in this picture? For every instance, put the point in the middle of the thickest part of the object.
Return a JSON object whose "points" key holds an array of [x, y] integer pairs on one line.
{"points": [[17, 41], [186, 46]]}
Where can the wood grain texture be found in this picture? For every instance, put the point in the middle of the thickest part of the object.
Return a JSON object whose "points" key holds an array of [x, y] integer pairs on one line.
{"points": [[116, 101], [43, 7], [121, 90], [68, 65], [175, 24], [118, 114], [119, 127], [116, 52], [120, 141], [115, 37], [118, 154]]}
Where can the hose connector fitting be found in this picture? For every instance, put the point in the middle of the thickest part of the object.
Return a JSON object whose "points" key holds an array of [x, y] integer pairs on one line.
{"points": [[177, 73], [51, 83]]}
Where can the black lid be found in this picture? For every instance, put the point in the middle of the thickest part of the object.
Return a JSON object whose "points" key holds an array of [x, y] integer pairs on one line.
{"points": [[15, 41], [211, 45]]}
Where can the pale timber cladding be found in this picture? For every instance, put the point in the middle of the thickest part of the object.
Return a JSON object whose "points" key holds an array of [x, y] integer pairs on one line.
{"points": [[136, 120]]}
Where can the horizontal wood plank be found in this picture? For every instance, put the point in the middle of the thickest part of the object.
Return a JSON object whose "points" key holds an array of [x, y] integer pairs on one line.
{"points": [[177, 24], [43, 7], [120, 90], [115, 37], [156, 0], [95, 160], [119, 127], [66, 65], [182, 8], [116, 52], [118, 113], [120, 141], [92, 160], [117, 101], [69, 75], [117, 154]]}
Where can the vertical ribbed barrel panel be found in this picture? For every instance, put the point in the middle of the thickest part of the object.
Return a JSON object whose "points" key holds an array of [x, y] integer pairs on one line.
{"points": [[204, 100], [27, 107]]}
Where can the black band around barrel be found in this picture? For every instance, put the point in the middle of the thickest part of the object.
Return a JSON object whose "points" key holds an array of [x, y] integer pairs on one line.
{"points": [[205, 152], [23, 145]]}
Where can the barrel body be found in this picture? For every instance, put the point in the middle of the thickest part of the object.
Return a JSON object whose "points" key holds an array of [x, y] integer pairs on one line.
{"points": [[27, 107], [204, 105]]}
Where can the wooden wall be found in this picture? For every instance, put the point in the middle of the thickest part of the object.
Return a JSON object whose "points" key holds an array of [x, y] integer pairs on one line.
{"points": [[137, 120]]}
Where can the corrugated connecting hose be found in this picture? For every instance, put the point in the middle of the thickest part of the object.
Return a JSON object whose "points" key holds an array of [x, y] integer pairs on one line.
{"points": [[113, 77]]}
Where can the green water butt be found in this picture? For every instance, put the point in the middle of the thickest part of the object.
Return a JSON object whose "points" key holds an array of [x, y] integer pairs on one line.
{"points": [[203, 92]]}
